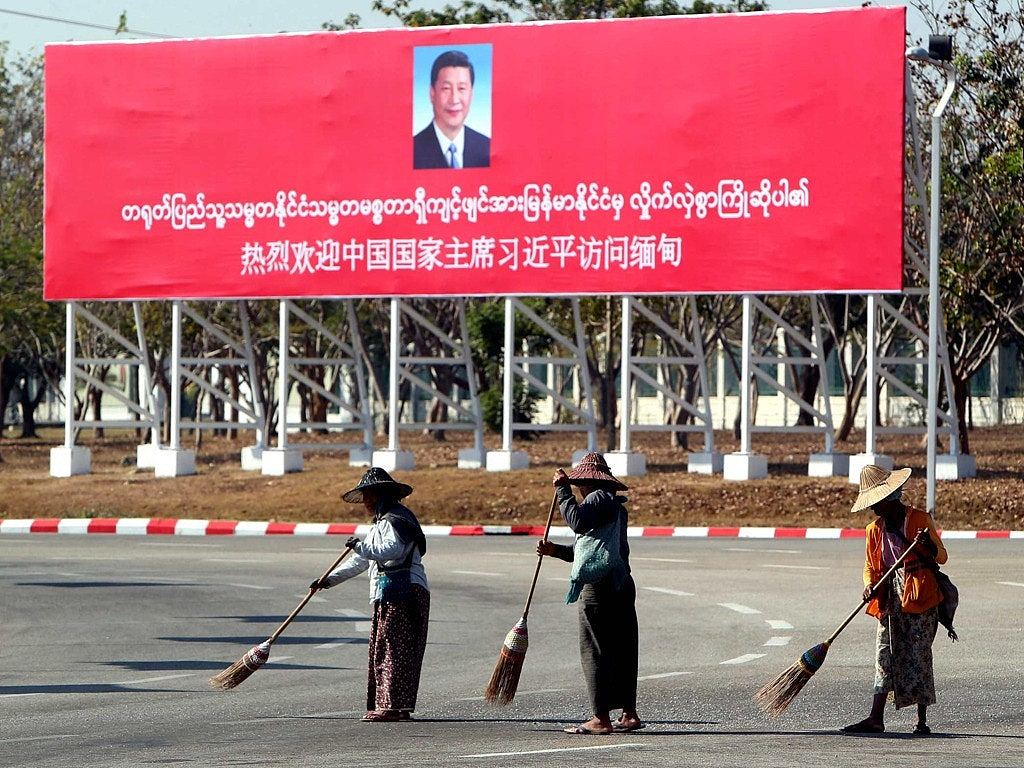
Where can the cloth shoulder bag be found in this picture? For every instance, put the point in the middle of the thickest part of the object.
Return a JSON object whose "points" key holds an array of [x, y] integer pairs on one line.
{"points": [[950, 594], [597, 554]]}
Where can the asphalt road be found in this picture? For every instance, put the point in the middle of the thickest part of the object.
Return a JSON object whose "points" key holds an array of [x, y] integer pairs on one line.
{"points": [[106, 645]]}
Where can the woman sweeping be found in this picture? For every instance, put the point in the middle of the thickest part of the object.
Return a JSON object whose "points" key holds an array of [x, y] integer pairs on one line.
{"points": [[607, 600], [906, 607], [398, 591]]}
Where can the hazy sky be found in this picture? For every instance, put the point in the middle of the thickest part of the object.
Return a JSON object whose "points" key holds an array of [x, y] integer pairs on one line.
{"points": [[207, 18]]}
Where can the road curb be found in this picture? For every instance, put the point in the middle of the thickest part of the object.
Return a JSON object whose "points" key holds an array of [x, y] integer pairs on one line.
{"points": [[159, 526]]}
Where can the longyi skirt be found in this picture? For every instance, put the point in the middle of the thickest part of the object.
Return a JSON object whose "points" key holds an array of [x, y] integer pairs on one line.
{"points": [[398, 638]]}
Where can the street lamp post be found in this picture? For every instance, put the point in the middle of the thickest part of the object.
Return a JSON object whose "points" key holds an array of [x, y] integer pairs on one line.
{"points": [[939, 54]]}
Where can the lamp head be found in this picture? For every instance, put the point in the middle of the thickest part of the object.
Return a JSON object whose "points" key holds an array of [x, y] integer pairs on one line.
{"points": [[940, 47]]}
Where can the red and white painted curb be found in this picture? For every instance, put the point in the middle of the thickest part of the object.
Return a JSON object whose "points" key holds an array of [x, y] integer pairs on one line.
{"points": [[165, 526]]}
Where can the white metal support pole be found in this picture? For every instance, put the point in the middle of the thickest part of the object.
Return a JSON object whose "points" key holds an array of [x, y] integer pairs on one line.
{"points": [[744, 464], [506, 408], [175, 375], [173, 461], [282, 376], [392, 457], [624, 408], [872, 374], [69, 375], [745, 377], [934, 312], [68, 459], [393, 359]]}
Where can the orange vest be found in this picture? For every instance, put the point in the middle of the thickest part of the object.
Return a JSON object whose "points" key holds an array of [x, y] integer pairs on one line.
{"points": [[922, 590]]}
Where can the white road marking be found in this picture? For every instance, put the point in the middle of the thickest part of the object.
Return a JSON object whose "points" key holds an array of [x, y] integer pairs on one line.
{"points": [[557, 578], [154, 679], [778, 640], [12, 695], [359, 626], [249, 586], [800, 567], [739, 608], [778, 624], [662, 559], [663, 674], [743, 659], [758, 549], [667, 591], [230, 560], [338, 643], [42, 738], [553, 751], [479, 573], [519, 693], [272, 659], [1010, 583]]}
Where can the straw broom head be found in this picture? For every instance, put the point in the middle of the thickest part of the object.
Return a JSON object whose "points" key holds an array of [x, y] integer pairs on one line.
{"points": [[234, 675], [505, 679], [774, 697]]}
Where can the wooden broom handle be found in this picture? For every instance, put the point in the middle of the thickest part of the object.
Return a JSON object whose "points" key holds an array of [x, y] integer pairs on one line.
{"points": [[307, 598], [540, 558], [885, 577]]}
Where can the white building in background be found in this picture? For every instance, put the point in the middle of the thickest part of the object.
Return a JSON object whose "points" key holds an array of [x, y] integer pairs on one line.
{"points": [[997, 397]]}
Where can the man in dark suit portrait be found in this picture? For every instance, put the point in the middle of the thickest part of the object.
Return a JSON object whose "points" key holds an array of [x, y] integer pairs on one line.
{"points": [[448, 142]]}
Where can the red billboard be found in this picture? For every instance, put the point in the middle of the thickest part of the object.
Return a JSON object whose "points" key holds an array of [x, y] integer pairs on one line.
{"points": [[701, 154]]}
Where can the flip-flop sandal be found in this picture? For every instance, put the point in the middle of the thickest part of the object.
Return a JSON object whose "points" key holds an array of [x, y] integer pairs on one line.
{"points": [[864, 726], [381, 717], [582, 730], [921, 729], [628, 728]]}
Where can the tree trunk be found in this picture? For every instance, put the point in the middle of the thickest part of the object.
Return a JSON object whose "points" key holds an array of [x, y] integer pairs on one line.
{"points": [[961, 392], [4, 395], [95, 403], [28, 407]]}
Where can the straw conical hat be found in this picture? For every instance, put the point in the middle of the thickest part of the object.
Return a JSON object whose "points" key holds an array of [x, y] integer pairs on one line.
{"points": [[376, 479], [594, 469], [877, 483]]}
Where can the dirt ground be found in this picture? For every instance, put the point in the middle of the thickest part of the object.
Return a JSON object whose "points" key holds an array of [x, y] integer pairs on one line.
{"points": [[666, 496]]}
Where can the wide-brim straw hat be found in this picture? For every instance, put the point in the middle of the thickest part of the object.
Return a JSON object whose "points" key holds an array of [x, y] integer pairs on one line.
{"points": [[593, 470], [877, 483], [378, 480]]}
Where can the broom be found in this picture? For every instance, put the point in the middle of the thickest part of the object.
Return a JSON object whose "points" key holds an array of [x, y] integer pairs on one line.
{"points": [[505, 679], [775, 696], [258, 655]]}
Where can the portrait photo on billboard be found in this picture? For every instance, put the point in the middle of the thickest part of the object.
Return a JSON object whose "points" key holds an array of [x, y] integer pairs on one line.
{"points": [[451, 106]]}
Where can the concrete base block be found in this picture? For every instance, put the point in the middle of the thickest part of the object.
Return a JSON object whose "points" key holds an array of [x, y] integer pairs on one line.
{"points": [[68, 462], [145, 456], [860, 460], [392, 461], [958, 467], [472, 458], [506, 461], [252, 458], [281, 461], [360, 457], [626, 463], [174, 463], [828, 465], [744, 466], [705, 463]]}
